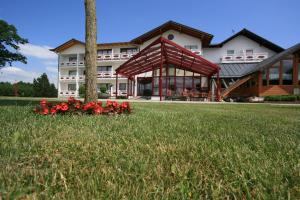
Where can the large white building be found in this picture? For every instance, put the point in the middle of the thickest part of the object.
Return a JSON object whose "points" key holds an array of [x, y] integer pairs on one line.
{"points": [[236, 56]]}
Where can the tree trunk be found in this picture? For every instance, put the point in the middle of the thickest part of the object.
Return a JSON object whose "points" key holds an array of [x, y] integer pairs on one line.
{"points": [[90, 51]]}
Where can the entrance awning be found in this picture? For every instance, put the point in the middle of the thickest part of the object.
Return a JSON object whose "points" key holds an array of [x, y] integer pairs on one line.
{"points": [[165, 51]]}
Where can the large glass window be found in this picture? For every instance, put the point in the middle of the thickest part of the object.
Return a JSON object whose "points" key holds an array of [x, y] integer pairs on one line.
{"points": [[274, 74], [71, 87], [287, 72], [104, 51], [73, 59], [264, 77]]}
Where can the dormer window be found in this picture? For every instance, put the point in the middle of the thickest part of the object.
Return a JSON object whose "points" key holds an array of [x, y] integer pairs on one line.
{"points": [[191, 47], [249, 51], [230, 52]]}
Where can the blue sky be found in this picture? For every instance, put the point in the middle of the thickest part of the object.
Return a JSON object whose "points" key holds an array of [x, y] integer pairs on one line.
{"points": [[49, 23]]}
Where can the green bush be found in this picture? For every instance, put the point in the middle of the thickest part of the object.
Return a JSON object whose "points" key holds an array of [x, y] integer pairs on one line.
{"points": [[282, 98], [82, 91]]}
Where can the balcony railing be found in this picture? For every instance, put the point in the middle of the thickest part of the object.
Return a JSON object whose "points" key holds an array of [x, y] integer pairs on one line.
{"points": [[68, 78], [255, 57], [197, 52], [115, 56], [68, 93]]}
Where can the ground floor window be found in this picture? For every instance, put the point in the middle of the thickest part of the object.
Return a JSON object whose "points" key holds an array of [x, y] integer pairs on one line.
{"points": [[122, 86], [287, 72], [274, 75], [71, 87]]}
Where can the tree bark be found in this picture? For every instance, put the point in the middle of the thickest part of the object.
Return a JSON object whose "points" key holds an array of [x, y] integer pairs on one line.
{"points": [[90, 51]]}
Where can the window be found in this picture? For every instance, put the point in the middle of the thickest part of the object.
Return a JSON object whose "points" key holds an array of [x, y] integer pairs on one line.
{"points": [[264, 77], [129, 50], [104, 68], [287, 72], [122, 86], [274, 74], [249, 51], [230, 52], [191, 47], [72, 72], [72, 59], [71, 87], [170, 37], [104, 51]]}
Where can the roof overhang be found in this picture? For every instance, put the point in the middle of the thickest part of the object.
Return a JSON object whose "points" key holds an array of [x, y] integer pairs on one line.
{"points": [[161, 51], [170, 25]]}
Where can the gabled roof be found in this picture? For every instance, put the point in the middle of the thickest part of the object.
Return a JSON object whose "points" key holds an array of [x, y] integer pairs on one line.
{"points": [[161, 51], [171, 25], [275, 58], [73, 42], [260, 40], [67, 45], [235, 70]]}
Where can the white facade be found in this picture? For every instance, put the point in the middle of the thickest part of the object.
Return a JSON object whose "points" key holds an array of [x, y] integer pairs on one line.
{"points": [[71, 60]]}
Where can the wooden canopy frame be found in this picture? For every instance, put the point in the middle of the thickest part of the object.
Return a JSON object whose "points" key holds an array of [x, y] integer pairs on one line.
{"points": [[163, 51]]}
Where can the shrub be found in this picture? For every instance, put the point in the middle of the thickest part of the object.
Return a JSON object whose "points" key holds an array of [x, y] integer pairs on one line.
{"points": [[82, 91], [282, 98]]}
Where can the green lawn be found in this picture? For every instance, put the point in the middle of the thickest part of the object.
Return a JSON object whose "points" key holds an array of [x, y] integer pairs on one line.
{"points": [[161, 151]]}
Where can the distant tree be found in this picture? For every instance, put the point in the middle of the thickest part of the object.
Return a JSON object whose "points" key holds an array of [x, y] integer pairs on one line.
{"points": [[6, 89], [9, 44], [25, 89], [43, 88], [90, 51]]}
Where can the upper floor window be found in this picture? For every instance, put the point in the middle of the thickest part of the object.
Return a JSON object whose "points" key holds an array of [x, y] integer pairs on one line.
{"points": [[72, 58], [249, 51], [287, 72], [72, 87], [230, 52], [104, 68], [170, 37], [191, 47], [72, 72], [129, 50], [104, 51]]}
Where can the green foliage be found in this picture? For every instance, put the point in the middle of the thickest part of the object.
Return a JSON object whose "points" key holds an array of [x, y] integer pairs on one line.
{"points": [[43, 88], [161, 151], [6, 89], [82, 91], [282, 98], [9, 40], [103, 90]]}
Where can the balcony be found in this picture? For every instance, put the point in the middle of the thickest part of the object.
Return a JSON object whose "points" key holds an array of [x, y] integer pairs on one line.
{"points": [[104, 74], [68, 93], [115, 56], [244, 58], [68, 78]]}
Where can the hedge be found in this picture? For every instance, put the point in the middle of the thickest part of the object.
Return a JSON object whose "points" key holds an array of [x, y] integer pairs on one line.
{"points": [[282, 98]]}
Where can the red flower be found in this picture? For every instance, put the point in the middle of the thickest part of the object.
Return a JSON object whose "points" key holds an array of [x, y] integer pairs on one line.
{"points": [[64, 107], [115, 104], [77, 106], [43, 103], [99, 103], [109, 103], [71, 100], [45, 111], [53, 110], [98, 110]]}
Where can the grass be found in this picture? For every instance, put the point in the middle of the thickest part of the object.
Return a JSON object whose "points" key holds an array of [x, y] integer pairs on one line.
{"points": [[161, 151]]}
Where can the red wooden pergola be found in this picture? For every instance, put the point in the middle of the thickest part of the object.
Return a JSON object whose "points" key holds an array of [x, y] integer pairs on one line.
{"points": [[163, 51]]}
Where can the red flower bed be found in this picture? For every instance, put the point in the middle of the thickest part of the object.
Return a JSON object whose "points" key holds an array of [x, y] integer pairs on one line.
{"points": [[74, 106]]}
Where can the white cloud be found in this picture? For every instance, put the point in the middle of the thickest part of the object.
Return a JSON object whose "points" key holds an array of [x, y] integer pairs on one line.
{"points": [[37, 51], [13, 74], [52, 69]]}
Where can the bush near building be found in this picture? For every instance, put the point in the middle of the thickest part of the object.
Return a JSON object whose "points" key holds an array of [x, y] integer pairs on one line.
{"points": [[282, 98]]}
